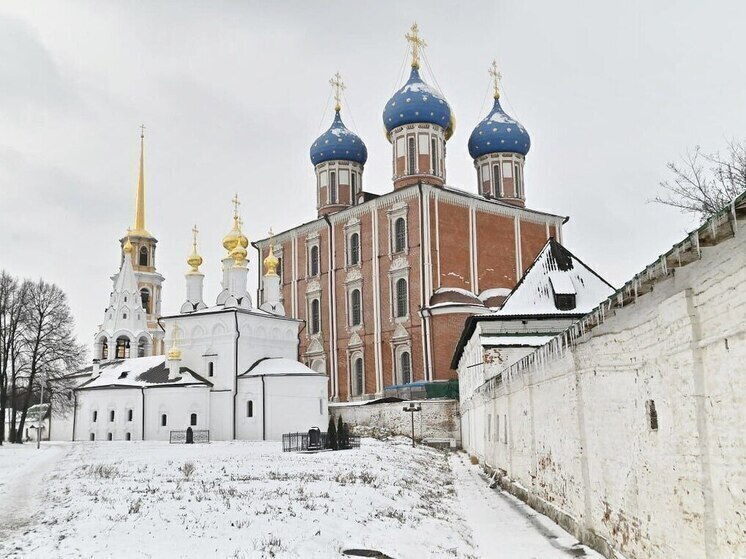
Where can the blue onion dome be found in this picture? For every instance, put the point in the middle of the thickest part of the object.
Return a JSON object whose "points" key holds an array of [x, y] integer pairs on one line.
{"points": [[417, 102], [498, 133], [338, 143]]}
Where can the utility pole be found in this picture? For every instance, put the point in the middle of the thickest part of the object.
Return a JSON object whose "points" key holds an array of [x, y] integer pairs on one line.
{"points": [[411, 409], [39, 415]]}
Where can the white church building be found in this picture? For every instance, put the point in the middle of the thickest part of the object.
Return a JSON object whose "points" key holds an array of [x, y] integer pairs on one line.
{"points": [[231, 369]]}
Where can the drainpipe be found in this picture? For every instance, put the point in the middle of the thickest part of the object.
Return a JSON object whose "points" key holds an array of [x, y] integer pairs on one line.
{"points": [[235, 373], [264, 411], [142, 418], [423, 310]]}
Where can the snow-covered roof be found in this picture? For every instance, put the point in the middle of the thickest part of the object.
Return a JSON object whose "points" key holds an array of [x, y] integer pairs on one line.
{"points": [[141, 372], [494, 292], [278, 366], [453, 296], [519, 341], [556, 271]]}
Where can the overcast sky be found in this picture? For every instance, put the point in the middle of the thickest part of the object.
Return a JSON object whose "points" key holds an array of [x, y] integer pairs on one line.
{"points": [[233, 94]]}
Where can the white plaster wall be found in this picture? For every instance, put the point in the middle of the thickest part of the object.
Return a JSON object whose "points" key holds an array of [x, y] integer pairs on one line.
{"points": [[104, 401], [579, 434], [439, 419], [178, 403]]}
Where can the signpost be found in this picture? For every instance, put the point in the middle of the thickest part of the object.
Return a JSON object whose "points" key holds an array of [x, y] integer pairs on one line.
{"points": [[412, 408]]}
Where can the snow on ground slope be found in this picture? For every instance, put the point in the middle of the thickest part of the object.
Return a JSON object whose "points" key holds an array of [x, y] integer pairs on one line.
{"points": [[247, 500]]}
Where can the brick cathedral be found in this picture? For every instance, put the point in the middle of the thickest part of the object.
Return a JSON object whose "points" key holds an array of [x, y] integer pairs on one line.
{"points": [[385, 282]]}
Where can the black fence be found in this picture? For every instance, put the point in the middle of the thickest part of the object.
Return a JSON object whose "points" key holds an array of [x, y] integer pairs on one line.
{"points": [[197, 436], [296, 442]]}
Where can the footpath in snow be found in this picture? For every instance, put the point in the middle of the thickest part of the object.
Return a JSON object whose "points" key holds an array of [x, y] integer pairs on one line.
{"points": [[505, 527]]}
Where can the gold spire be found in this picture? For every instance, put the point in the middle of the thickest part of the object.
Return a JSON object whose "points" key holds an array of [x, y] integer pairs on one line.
{"points": [[271, 262], [416, 43], [496, 76], [232, 238], [139, 228], [194, 260], [339, 86], [128, 248], [174, 354]]}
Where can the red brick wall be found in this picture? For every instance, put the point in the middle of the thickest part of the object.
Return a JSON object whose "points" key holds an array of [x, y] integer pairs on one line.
{"points": [[496, 256], [533, 239], [455, 265], [446, 329]]}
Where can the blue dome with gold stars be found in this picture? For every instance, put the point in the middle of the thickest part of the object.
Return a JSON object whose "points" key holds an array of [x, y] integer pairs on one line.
{"points": [[338, 143], [417, 102], [498, 133]]}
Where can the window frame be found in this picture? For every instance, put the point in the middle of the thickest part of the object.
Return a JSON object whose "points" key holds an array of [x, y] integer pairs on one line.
{"points": [[356, 307], [399, 235], [401, 298], [250, 408], [314, 261], [411, 155], [314, 313], [354, 253]]}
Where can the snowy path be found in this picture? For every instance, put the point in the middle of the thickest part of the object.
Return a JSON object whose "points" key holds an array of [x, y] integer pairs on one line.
{"points": [[504, 527], [22, 468]]}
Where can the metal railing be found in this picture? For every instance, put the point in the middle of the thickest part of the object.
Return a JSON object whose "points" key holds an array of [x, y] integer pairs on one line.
{"points": [[198, 436], [297, 442]]}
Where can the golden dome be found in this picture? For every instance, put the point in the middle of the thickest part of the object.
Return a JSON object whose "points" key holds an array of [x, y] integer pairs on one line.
{"points": [[243, 240], [271, 263], [174, 354], [195, 261], [239, 254], [128, 248], [451, 126], [232, 238]]}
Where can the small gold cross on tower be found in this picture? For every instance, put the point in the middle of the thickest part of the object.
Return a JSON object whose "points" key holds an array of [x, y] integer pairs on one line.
{"points": [[339, 86], [496, 76], [416, 43], [236, 202], [194, 237], [142, 131]]}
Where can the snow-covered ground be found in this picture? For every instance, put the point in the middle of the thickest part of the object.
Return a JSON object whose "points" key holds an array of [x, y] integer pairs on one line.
{"points": [[246, 500]]}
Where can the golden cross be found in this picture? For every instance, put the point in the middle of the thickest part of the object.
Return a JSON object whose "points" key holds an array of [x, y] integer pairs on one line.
{"points": [[339, 86], [142, 131], [271, 235], [194, 237], [496, 76], [416, 44], [175, 334], [236, 203]]}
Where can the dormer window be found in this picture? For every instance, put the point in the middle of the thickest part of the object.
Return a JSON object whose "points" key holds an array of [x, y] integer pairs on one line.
{"points": [[564, 302], [564, 291]]}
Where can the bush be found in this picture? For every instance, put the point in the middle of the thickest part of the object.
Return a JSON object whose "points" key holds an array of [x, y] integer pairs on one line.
{"points": [[188, 469], [331, 435], [474, 460]]}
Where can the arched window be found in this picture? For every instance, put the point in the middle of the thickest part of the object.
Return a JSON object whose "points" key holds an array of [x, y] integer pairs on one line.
{"points": [[354, 249], [128, 436], [142, 345], [357, 370], [315, 316], [143, 256], [496, 183], [400, 235], [210, 369], [123, 347], [193, 420], [353, 186], [313, 268], [405, 367], [518, 181], [164, 420], [333, 187], [93, 436], [355, 308], [104, 349], [412, 154], [434, 155], [402, 298], [250, 408], [145, 296], [110, 437]]}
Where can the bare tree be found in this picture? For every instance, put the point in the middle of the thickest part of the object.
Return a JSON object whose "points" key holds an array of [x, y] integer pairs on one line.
{"points": [[702, 184], [49, 348], [12, 309]]}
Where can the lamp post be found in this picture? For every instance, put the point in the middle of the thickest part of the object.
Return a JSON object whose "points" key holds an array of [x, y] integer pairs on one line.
{"points": [[411, 409]]}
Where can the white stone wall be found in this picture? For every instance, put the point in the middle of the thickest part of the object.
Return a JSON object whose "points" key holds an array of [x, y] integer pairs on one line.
{"points": [[438, 420], [580, 446]]}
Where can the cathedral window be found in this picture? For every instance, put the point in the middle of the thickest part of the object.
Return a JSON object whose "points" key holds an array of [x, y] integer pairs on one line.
{"points": [[313, 266], [145, 296], [355, 308], [193, 420], [496, 182], [315, 316], [128, 436], [93, 436], [354, 251], [110, 436], [129, 415], [400, 235], [143, 256], [402, 298], [333, 187], [104, 349], [123, 347], [164, 420], [250, 408], [95, 415], [358, 376], [353, 186], [412, 154], [434, 155], [124, 316], [111, 415], [141, 345], [210, 369], [405, 367]]}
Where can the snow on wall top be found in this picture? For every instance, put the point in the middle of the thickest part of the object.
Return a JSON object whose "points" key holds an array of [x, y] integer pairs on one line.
{"points": [[278, 366], [556, 270], [140, 372]]}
